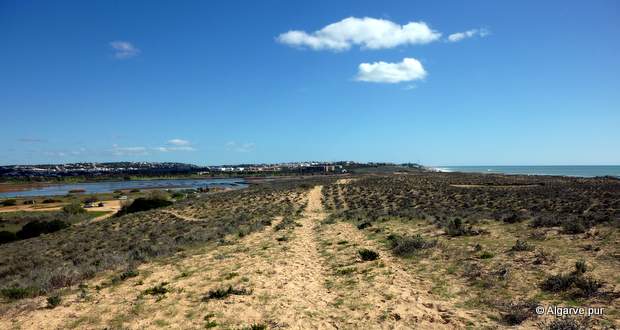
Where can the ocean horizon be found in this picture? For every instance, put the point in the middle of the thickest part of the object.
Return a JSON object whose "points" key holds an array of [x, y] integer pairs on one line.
{"points": [[586, 171]]}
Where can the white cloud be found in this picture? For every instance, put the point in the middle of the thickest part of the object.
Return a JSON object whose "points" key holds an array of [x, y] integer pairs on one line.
{"points": [[409, 69], [171, 149], [176, 145], [173, 145], [124, 49], [129, 151], [240, 147], [455, 37], [371, 33], [178, 142]]}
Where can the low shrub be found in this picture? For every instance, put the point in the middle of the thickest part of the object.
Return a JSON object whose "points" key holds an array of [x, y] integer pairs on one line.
{"points": [[7, 236], [346, 271], [455, 227], [287, 222], [578, 285], [9, 202], [36, 228], [222, 293], [516, 313], [546, 221], [486, 255], [73, 208], [16, 293], [522, 246], [128, 274], [407, 246], [515, 317], [368, 255], [509, 216], [53, 301], [566, 323], [581, 267], [158, 290], [143, 204], [574, 226]]}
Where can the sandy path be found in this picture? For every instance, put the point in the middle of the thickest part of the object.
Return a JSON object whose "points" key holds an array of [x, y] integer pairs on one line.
{"points": [[303, 275]]}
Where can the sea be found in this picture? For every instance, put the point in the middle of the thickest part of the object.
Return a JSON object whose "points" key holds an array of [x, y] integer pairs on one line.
{"points": [[586, 171]]}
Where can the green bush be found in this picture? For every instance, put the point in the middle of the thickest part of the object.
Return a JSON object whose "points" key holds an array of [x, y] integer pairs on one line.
{"points": [[368, 255], [158, 290], [7, 236], [515, 317], [9, 202], [36, 228], [128, 274], [73, 208], [455, 227], [522, 246], [53, 301], [407, 246], [16, 293], [222, 293], [576, 283], [143, 204], [486, 255], [573, 226]]}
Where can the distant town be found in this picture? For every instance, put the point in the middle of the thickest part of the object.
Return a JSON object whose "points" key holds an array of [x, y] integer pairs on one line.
{"points": [[93, 170]]}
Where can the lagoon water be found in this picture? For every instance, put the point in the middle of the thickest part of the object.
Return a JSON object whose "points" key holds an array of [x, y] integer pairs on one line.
{"points": [[563, 170], [110, 186]]}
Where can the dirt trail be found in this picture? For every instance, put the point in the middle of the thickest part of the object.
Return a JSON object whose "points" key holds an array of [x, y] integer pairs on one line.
{"points": [[303, 275]]}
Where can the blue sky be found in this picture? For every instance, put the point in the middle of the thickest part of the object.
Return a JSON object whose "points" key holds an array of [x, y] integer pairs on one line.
{"points": [[215, 82]]}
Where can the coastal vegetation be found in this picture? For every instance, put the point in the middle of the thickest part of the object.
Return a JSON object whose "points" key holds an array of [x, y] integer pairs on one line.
{"points": [[434, 250]]}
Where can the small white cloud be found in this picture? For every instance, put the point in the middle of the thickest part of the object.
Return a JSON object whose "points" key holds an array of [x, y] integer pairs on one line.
{"points": [[455, 37], [124, 49], [371, 33], [129, 151], [171, 149], [409, 69], [55, 153], [240, 147], [179, 142]]}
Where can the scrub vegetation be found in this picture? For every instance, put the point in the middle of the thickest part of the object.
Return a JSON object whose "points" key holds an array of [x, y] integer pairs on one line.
{"points": [[401, 250]]}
